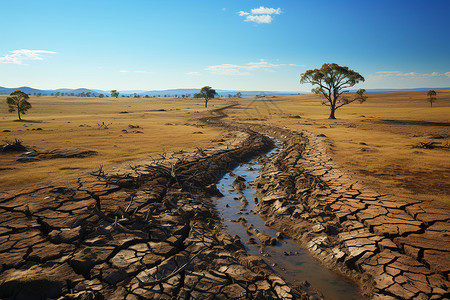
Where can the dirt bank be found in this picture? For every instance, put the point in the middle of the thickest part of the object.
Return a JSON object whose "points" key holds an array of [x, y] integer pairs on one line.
{"points": [[395, 248], [144, 231]]}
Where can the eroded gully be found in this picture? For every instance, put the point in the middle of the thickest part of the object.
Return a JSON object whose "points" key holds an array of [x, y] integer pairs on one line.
{"points": [[293, 263]]}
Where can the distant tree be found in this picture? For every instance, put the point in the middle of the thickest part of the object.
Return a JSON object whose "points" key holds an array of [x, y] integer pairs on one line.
{"points": [[18, 100], [114, 93], [431, 97], [88, 94], [101, 96], [57, 94], [208, 93], [238, 95], [331, 80]]}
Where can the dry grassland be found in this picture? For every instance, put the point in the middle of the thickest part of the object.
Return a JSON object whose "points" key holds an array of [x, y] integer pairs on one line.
{"points": [[165, 125], [374, 139]]}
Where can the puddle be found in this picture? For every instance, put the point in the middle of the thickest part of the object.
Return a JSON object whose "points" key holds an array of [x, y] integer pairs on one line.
{"points": [[292, 262]]}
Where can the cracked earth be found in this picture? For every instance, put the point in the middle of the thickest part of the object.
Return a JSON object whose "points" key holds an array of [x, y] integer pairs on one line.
{"points": [[397, 248], [138, 232], [150, 231]]}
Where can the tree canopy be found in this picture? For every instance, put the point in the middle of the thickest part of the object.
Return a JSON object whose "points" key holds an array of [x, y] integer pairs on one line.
{"points": [[431, 97], [331, 81], [18, 100], [114, 93], [208, 93]]}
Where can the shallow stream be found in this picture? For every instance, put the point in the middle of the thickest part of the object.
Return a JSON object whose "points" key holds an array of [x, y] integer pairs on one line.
{"points": [[290, 261]]}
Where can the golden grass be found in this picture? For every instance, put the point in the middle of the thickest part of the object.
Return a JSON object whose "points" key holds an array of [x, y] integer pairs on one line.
{"points": [[73, 122], [365, 141], [361, 140]]}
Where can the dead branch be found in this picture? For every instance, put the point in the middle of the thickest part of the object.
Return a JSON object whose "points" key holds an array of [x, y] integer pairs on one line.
{"points": [[176, 271]]}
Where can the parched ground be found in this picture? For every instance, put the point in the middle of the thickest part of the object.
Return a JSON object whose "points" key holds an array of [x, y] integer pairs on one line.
{"points": [[399, 248], [147, 231]]}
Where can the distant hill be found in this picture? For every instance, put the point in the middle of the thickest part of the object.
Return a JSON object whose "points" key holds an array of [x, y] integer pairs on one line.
{"points": [[186, 91], [401, 90], [168, 92]]}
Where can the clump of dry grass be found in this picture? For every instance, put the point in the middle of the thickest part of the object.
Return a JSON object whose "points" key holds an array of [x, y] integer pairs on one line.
{"points": [[373, 139]]}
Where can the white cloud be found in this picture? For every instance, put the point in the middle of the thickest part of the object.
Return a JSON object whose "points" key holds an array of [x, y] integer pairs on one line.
{"points": [[262, 65], [387, 72], [260, 15], [137, 71], [266, 11], [259, 19], [19, 56], [409, 75], [229, 69], [193, 73]]}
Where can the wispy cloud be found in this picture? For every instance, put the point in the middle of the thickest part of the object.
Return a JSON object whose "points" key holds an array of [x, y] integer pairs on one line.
{"points": [[259, 19], [260, 15], [138, 71], [412, 75], [265, 11], [19, 56], [193, 73], [242, 70]]}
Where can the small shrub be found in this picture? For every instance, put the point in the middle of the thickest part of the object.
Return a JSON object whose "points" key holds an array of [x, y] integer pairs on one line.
{"points": [[15, 146]]}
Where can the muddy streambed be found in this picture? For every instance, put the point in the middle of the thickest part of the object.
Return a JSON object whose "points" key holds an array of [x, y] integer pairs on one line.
{"points": [[289, 260]]}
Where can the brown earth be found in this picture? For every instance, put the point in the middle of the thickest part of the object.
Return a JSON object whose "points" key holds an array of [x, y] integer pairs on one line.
{"points": [[397, 248], [151, 231], [145, 231]]}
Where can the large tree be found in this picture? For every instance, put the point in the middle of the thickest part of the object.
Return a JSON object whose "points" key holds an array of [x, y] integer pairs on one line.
{"points": [[331, 81], [18, 100], [208, 93], [114, 94], [431, 97]]}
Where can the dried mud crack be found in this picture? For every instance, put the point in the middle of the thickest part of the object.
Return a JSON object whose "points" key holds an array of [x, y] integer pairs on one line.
{"points": [[150, 231], [139, 232], [396, 248]]}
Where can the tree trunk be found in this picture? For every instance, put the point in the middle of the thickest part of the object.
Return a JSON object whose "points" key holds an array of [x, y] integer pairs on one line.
{"points": [[206, 103], [332, 110], [18, 113]]}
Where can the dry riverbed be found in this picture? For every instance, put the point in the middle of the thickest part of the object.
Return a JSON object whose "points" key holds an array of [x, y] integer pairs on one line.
{"points": [[395, 248], [144, 231], [150, 230]]}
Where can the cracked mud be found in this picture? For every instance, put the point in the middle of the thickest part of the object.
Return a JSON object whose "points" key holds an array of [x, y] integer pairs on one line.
{"points": [[397, 248], [151, 230], [142, 232]]}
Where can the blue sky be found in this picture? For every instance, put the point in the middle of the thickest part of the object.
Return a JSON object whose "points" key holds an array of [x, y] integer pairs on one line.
{"points": [[246, 45]]}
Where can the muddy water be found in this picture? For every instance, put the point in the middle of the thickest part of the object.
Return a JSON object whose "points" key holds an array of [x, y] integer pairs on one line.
{"points": [[290, 261]]}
